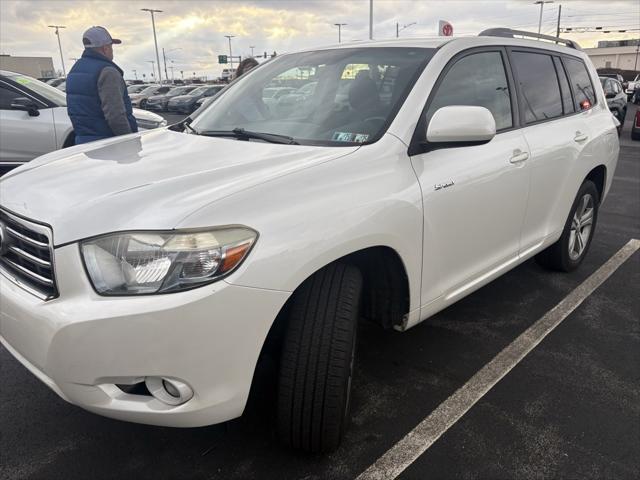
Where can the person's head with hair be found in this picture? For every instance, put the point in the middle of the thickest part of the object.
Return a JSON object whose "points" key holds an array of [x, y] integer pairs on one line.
{"points": [[246, 65], [99, 40]]}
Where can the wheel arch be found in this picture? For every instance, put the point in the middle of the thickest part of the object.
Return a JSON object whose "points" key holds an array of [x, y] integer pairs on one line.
{"points": [[385, 298], [598, 176]]}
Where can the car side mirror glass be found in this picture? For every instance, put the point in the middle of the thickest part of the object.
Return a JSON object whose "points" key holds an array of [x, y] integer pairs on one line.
{"points": [[25, 104], [461, 124]]}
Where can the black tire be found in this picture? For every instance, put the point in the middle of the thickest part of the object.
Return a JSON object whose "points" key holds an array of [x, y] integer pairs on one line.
{"points": [[635, 135], [557, 257], [316, 366], [143, 104]]}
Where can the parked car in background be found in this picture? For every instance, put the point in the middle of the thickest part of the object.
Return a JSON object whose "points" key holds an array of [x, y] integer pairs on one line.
{"points": [[615, 76], [159, 102], [140, 99], [54, 82], [616, 99], [188, 103], [632, 87], [34, 120], [248, 233], [635, 128], [136, 88]]}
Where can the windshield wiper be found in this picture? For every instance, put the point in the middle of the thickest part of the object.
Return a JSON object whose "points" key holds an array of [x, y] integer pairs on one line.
{"points": [[242, 134]]}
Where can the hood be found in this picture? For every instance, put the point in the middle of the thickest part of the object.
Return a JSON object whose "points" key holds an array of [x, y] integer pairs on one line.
{"points": [[145, 181]]}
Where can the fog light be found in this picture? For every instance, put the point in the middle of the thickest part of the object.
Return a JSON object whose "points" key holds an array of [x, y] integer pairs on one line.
{"points": [[169, 390]]}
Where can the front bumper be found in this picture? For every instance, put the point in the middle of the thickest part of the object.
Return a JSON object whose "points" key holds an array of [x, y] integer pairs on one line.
{"points": [[81, 345]]}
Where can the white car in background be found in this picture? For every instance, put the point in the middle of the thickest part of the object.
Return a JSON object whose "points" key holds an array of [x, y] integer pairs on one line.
{"points": [[144, 276], [34, 120]]}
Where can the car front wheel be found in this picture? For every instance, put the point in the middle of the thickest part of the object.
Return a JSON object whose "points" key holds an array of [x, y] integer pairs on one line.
{"points": [[318, 352]]}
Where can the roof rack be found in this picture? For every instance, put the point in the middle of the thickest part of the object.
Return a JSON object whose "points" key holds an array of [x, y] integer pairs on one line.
{"points": [[509, 33]]}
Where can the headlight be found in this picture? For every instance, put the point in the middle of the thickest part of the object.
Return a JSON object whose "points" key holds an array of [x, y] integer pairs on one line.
{"points": [[159, 262]]}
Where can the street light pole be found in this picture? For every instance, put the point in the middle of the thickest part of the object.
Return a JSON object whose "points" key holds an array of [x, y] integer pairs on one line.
{"points": [[370, 19], [230, 53], [164, 57], [155, 39], [340, 25], [135, 73], [252, 47], [541, 3], [153, 66], [57, 27]]}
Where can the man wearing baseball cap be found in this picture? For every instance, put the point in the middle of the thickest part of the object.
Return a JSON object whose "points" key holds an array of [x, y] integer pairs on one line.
{"points": [[97, 98]]}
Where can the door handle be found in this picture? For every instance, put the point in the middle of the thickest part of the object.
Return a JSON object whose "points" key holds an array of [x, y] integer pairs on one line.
{"points": [[580, 137], [519, 156]]}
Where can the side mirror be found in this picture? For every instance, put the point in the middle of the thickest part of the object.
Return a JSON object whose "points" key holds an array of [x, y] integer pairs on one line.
{"points": [[462, 124], [25, 104]]}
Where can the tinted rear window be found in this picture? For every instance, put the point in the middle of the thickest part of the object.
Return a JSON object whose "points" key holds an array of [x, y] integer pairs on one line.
{"points": [[584, 95], [539, 86]]}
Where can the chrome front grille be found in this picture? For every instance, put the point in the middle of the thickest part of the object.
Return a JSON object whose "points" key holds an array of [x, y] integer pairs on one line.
{"points": [[26, 255]]}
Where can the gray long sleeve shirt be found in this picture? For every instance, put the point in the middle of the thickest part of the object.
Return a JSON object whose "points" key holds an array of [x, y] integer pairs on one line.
{"points": [[111, 91]]}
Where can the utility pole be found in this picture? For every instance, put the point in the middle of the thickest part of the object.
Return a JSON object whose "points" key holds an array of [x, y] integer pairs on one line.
{"points": [[541, 3], [252, 47], [135, 73], [340, 25], [164, 57], [58, 27], [398, 29], [370, 19], [559, 16], [230, 53], [153, 66], [155, 39]]}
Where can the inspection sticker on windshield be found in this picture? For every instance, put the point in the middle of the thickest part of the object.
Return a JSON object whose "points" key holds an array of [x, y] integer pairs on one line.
{"points": [[350, 137], [22, 80]]}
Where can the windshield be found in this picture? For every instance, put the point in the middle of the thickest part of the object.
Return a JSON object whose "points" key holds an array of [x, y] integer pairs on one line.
{"points": [[52, 94], [135, 88], [327, 97], [199, 91], [179, 91], [149, 90]]}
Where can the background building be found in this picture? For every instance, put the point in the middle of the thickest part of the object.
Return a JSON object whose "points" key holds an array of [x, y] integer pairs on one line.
{"points": [[37, 67], [616, 54]]}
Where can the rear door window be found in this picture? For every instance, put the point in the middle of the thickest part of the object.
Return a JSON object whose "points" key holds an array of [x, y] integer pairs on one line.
{"points": [[539, 86], [567, 99], [584, 95], [478, 79]]}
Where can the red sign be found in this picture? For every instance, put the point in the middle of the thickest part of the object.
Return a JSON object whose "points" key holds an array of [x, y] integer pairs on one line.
{"points": [[445, 29]]}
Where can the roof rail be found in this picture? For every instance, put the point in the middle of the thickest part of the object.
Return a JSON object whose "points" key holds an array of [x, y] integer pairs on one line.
{"points": [[509, 33]]}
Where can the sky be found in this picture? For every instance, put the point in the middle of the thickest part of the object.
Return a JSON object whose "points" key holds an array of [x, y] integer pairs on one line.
{"points": [[192, 31]]}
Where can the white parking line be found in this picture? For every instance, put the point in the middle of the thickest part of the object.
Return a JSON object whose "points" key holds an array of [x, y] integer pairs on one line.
{"points": [[418, 440]]}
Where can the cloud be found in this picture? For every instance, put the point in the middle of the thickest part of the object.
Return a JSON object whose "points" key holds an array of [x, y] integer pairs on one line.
{"points": [[193, 31]]}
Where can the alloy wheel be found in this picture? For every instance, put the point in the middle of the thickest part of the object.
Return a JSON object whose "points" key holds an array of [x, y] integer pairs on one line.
{"points": [[581, 226]]}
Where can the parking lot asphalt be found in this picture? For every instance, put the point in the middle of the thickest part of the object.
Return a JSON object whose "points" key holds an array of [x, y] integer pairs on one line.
{"points": [[570, 409]]}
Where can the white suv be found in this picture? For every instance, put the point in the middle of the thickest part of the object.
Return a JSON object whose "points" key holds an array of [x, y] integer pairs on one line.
{"points": [[143, 275]]}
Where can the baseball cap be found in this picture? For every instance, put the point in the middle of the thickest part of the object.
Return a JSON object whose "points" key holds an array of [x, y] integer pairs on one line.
{"points": [[98, 37]]}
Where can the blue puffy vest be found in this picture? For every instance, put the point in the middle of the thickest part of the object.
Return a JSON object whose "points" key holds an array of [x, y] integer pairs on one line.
{"points": [[83, 102]]}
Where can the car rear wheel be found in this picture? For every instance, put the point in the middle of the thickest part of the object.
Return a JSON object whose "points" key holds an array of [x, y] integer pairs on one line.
{"points": [[568, 252], [318, 352]]}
